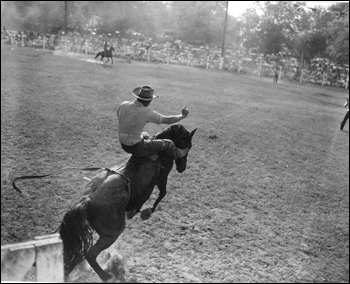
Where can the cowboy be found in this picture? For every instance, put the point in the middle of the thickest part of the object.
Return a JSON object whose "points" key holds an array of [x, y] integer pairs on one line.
{"points": [[106, 47], [133, 117], [275, 78]]}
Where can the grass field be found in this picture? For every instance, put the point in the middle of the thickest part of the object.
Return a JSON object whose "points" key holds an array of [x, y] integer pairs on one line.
{"points": [[265, 197]]}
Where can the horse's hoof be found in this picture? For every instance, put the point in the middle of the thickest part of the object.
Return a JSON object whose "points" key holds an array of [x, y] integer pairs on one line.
{"points": [[111, 279], [130, 214], [108, 277], [116, 266], [146, 213]]}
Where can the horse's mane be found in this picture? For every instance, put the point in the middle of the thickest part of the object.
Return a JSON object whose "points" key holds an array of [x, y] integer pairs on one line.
{"points": [[173, 132]]}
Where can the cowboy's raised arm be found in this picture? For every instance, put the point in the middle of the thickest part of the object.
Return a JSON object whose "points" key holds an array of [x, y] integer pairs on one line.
{"points": [[170, 119]]}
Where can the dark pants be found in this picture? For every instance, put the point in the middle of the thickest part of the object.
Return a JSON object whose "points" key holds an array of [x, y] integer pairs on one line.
{"points": [[346, 117], [150, 147]]}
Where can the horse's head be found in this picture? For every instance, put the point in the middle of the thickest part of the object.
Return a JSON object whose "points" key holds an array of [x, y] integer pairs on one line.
{"points": [[182, 138], [112, 48]]}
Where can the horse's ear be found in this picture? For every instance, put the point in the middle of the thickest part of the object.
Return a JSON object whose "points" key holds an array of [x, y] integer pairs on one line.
{"points": [[193, 132]]}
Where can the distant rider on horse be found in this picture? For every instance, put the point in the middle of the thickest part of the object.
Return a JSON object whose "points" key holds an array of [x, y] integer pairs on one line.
{"points": [[106, 47], [133, 117]]}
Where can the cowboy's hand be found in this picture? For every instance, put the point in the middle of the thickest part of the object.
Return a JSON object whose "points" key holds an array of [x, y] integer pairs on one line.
{"points": [[185, 112], [145, 135]]}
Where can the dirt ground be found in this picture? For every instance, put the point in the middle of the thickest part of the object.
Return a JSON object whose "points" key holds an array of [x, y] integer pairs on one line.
{"points": [[265, 197]]}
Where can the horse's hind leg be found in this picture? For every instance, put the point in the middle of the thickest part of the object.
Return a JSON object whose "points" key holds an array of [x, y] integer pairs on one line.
{"points": [[107, 238], [102, 244]]}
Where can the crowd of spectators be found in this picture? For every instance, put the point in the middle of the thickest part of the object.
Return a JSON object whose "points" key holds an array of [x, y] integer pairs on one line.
{"points": [[237, 59]]}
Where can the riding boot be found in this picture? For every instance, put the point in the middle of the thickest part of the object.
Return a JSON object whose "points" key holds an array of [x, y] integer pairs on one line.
{"points": [[173, 151]]}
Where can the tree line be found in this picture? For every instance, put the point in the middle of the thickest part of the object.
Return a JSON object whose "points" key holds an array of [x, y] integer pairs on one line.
{"points": [[268, 27]]}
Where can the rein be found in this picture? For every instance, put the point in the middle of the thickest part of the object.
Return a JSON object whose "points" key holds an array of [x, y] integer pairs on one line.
{"points": [[70, 168]]}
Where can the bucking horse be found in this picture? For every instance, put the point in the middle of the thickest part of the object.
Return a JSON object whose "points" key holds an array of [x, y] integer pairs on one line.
{"points": [[114, 195]]}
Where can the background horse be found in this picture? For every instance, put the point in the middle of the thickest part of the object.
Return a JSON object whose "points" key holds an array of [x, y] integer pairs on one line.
{"points": [[107, 54], [113, 194]]}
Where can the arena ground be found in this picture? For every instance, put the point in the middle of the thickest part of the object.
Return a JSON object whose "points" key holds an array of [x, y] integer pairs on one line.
{"points": [[265, 197]]}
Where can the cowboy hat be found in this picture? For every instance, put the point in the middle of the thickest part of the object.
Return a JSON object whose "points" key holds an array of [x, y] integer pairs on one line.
{"points": [[144, 93]]}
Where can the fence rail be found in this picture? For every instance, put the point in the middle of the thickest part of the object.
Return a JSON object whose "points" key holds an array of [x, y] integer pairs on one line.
{"points": [[237, 59], [44, 252]]}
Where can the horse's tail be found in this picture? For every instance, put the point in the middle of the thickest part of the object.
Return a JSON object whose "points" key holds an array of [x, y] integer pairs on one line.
{"points": [[98, 54], [76, 234]]}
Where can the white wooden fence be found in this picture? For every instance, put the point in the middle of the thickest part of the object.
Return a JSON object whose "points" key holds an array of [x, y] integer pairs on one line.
{"points": [[46, 252]]}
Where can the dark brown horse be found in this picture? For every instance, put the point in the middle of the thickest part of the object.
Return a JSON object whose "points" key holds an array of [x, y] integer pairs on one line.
{"points": [[114, 194], [106, 53]]}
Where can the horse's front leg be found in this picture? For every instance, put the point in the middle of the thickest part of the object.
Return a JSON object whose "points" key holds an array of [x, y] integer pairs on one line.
{"points": [[130, 214], [146, 213], [162, 193]]}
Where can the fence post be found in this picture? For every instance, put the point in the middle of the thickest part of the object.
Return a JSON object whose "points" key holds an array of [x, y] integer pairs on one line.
{"points": [[16, 261], [301, 76], [45, 251], [207, 66], [347, 82], [49, 261], [221, 62], [260, 66], [149, 55], [280, 73], [168, 57], [323, 77]]}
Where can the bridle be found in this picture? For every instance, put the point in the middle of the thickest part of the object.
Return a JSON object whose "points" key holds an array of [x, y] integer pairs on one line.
{"points": [[182, 158]]}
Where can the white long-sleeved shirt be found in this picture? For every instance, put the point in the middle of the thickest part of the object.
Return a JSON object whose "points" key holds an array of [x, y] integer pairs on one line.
{"points": [[133, 117]]}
